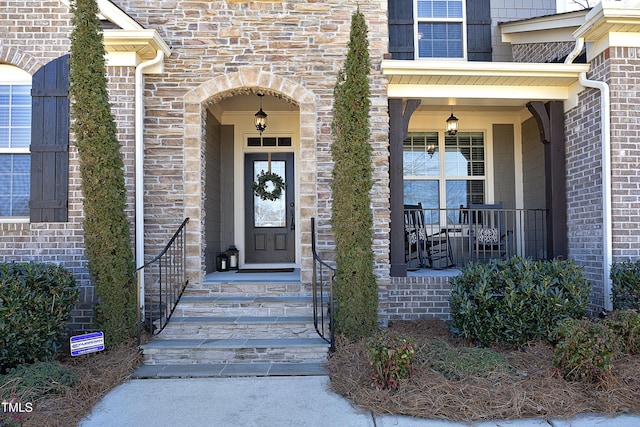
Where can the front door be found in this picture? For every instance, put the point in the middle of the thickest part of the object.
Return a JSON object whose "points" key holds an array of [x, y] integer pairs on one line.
{"points": [[269, 224]]}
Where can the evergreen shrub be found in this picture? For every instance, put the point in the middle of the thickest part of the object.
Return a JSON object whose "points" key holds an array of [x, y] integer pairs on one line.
{"points": [[626, 324], [585, 350], [107, 233], [517, 300], [625, 287], [35, 305], [351, 217]]}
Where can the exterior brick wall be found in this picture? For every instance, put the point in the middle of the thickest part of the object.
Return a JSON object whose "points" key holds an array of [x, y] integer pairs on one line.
{"points": [[541, 52], [619, 67], [417, 297], [34, 37], [584, 184], [624, 80]]}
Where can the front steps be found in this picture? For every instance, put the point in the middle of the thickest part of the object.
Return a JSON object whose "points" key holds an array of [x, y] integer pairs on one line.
{"points": [[238, 329]]}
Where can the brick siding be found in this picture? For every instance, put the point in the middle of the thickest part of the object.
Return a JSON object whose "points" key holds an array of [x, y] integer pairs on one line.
{"points": [[410, 298], [37, 34], [541, 52]]}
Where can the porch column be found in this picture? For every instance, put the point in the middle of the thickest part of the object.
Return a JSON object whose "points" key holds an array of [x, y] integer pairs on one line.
{"points": [[550, 120], [398, 128]]}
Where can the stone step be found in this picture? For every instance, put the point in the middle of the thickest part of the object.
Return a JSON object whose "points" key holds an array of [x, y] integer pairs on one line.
{"points": [[264, 289], [237, 305], [220, 327], [201, 370], [190, 351]]}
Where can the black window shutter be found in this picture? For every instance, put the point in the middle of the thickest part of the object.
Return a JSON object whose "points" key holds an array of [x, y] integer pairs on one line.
{"points": [[479, 30], [50, 142], [401, 43]]}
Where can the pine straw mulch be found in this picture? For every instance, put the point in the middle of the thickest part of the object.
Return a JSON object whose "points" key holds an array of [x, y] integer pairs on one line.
{"points": [[98, 373], [532, 389]]}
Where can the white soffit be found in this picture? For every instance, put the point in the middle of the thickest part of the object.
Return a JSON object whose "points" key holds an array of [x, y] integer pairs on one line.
{"points": [[124, 46], [480, 83]]}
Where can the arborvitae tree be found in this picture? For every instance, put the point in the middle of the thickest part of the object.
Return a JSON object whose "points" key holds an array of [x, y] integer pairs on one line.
{"points": [[106, 229], [356, 289]]}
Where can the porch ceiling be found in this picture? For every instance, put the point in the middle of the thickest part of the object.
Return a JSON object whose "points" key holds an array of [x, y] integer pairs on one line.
{"points": [[480, 83]]}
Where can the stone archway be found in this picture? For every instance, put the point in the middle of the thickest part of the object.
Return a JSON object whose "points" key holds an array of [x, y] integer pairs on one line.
{"points": [[247, 79]]}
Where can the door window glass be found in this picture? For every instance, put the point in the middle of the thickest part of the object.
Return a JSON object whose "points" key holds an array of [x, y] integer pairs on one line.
{"points": [[269, 213]]}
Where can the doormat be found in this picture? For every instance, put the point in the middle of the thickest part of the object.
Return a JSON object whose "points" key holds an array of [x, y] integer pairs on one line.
{"points": [[265, 270]]}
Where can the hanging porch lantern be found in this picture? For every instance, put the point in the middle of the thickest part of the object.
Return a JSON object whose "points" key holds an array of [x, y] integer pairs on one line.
{"points": [[261, 118], [452, 124]]}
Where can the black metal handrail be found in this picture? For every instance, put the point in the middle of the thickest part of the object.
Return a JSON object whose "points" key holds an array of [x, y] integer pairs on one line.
{"points": [[167, 285], [323, 277]]}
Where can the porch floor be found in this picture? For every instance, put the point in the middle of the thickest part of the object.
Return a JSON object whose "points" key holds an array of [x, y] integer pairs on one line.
{"points": [[421, 272], [294, 276], [233, 276]]}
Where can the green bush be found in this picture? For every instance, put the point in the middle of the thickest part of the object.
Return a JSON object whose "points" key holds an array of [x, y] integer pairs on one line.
{"points": [[391, 356], [625, 287], [35, 304], [516, 300], [31, 382], [585, 350], [626, 324]]}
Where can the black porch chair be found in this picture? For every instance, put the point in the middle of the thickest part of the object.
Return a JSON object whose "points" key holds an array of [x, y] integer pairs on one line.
{"points": [[426, 243], [489, 237]]}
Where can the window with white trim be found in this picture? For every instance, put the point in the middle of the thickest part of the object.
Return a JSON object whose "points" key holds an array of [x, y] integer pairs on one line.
{"points": [[440, 29], [450, 181], [15, 138]]}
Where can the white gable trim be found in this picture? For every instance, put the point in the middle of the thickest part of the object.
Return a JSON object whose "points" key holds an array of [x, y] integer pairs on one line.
{"points": [[115, 15]]}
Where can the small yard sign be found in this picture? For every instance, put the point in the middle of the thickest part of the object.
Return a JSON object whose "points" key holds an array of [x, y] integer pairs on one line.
{"points": [[87, 343]]}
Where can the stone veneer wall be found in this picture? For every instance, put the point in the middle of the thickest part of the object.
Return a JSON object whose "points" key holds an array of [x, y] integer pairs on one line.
{"points": [[291, 49], [32, 37]]}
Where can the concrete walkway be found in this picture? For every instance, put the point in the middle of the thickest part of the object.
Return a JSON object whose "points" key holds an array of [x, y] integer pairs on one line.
{"points": [[268, 402]]}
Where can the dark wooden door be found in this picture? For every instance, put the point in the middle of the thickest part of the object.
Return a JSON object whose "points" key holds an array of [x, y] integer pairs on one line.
{"points": [[269, 224]]}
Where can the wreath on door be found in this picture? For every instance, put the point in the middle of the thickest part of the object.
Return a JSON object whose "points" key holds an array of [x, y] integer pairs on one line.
{"points": [[260, 186]]}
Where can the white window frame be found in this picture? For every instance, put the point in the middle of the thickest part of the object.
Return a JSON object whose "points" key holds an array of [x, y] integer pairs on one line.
{"points": [[12, 75], [442, 177], [462, 20]]}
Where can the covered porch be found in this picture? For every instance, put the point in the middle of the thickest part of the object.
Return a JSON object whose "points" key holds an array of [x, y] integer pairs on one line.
{"points": [[494, 187]]}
